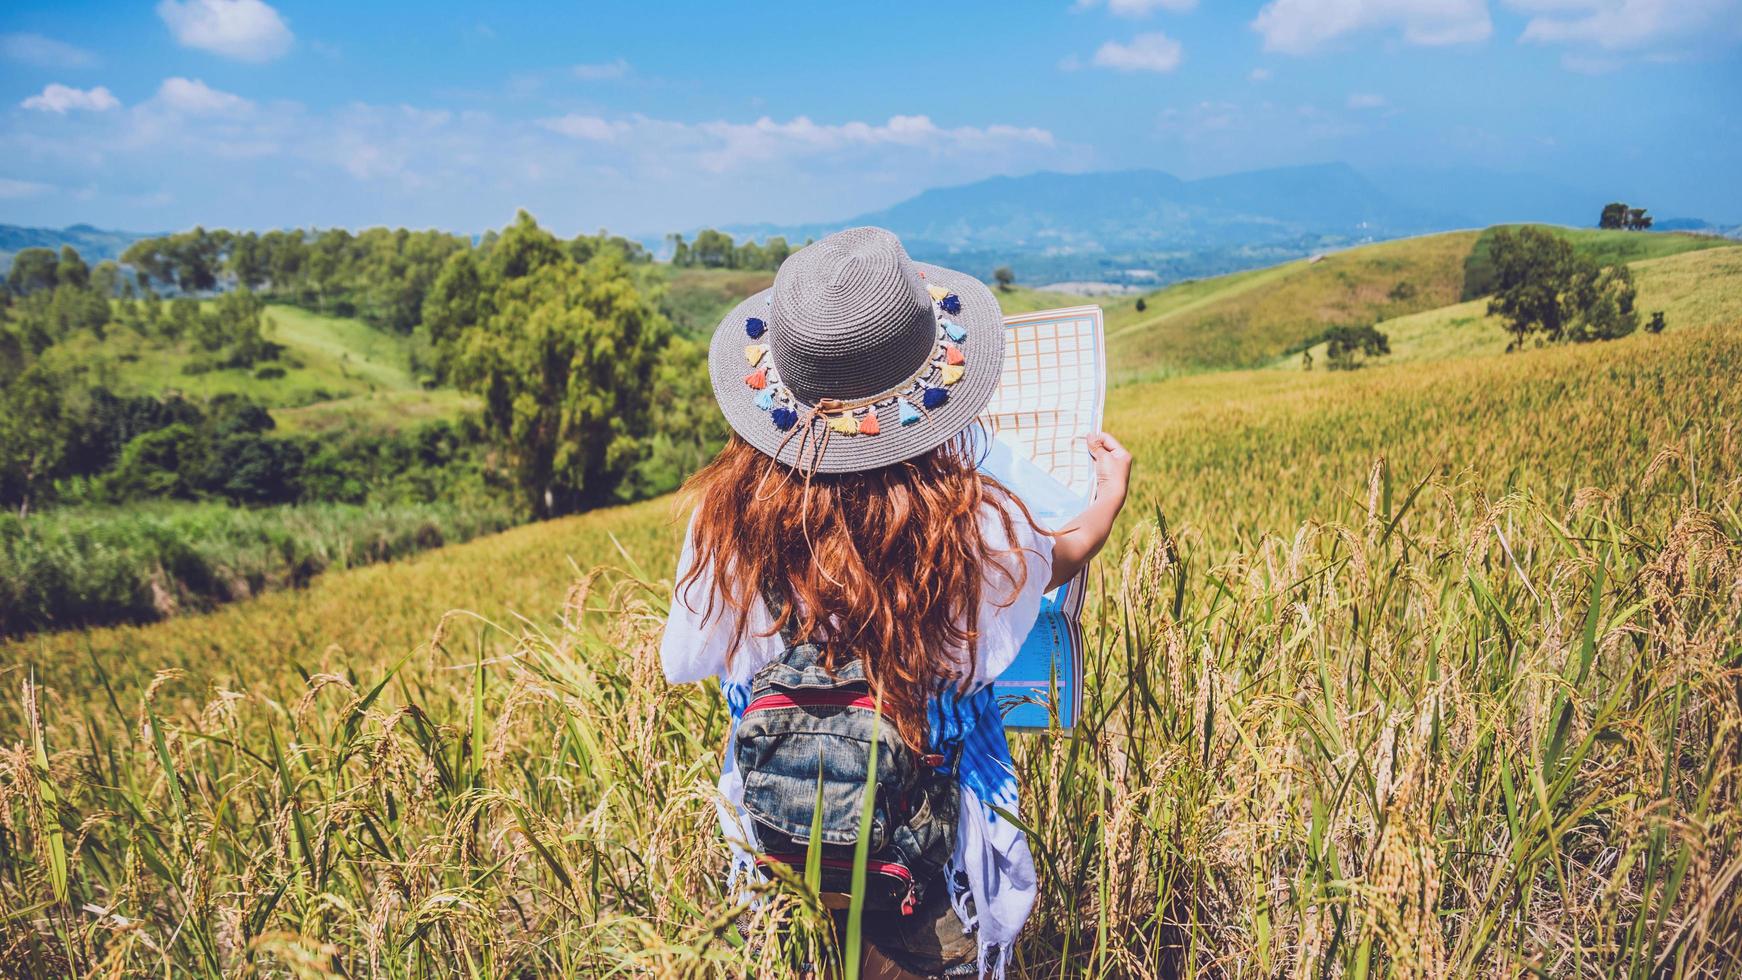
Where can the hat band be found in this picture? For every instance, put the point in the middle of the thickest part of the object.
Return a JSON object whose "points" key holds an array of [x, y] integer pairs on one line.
{"points": [[945, 361]]}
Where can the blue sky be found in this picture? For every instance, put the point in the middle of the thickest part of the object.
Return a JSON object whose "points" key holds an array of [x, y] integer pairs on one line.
{"points": [[645, 118]]}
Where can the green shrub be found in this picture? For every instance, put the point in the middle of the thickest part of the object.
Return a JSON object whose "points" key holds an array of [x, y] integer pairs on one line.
{"points": [[95, 565]]}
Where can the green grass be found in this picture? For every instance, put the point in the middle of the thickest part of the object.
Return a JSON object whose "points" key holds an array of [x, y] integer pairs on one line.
{"points": [[1021, 299], [380, 411], [352, 347], [1422, 670], [75, 566], [1415, 286], [1248, 318], [696, 299], [339, 373], [1466, 711], [1692, 288]]}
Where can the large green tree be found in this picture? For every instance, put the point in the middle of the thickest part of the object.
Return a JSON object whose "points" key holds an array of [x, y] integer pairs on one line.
{"points": [[32, 433], [565, 361], [1544, 287]]}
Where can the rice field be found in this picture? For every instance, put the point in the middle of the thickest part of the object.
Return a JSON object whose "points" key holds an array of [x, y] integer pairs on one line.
{"points": [[1426, 670]]}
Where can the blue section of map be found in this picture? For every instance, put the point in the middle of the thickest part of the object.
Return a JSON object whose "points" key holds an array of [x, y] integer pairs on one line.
{"points": [[1045, 672]]}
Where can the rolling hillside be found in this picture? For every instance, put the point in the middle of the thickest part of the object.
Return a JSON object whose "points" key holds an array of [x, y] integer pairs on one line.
{"points": [[1449, 642], [1249, 319], [337, 371], [1692, 289], [1444, 404]]}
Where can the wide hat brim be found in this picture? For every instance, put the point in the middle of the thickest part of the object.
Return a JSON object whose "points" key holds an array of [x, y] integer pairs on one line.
{"points": [[821, 451]]}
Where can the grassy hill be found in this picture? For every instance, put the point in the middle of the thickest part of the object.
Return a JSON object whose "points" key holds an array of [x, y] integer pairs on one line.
{"points": [[1423, 668], [1250, 318], [1550, 421], [483, 727], [696, 299], [1692, 288], [337, 371]]}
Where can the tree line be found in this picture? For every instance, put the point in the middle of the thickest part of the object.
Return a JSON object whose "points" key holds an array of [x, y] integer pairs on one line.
{"points": [[589, 396], [65, 441], [717, 250]]}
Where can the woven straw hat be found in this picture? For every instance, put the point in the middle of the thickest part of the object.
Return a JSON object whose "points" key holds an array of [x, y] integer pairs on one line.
{"points": [[858, 356]]}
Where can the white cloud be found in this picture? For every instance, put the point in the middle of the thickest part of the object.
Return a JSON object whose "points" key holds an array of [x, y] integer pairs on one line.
{"points": [[602, 71], [1138, 8], [1618, 25], [12, 190], [738, 144], [195, 98], [1304, 26], [1366, 100], [1258, 75], [43, 52], [1146, 52], [585, 127], [721, 145], [61, 99], [227, 159], [246, 30]]}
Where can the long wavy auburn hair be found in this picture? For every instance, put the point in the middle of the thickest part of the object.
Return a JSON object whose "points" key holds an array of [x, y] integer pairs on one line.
{"points": [[886, 564]]}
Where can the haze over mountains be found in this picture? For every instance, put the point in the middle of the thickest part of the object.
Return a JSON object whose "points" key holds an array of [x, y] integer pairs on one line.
{"points": [[1148, 227]]}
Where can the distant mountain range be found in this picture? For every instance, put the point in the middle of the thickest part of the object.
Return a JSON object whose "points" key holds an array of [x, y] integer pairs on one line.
{"points": [[93, 244], [1145, 226]]}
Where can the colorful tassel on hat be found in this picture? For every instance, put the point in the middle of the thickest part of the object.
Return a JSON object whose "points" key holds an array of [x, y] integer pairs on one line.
{"points": [[952, 354], [755, 327], [765, 401], [954, 331], [754, 352], [868, 425], [937, 292], [951, 304], [934, 397], [757, 379], [784, 418], [845, 425], [909, 414], [953, 373]]}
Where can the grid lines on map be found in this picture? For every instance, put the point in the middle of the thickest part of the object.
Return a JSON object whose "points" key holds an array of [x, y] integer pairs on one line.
{"points": [[1050, 362]]}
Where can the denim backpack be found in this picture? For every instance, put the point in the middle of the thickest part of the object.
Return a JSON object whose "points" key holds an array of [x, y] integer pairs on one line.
{"points": [[805, 736]]}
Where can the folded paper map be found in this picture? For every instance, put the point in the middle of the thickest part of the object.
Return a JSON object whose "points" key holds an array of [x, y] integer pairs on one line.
{"points": [[1049, 400]]}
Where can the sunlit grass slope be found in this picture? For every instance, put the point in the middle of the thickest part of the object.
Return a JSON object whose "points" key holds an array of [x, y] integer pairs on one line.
{"points": [[1468, 712], [696, 299], [1422, 670], [1250, 318], [1247, 318], [1692, 289], [338, 373]]}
